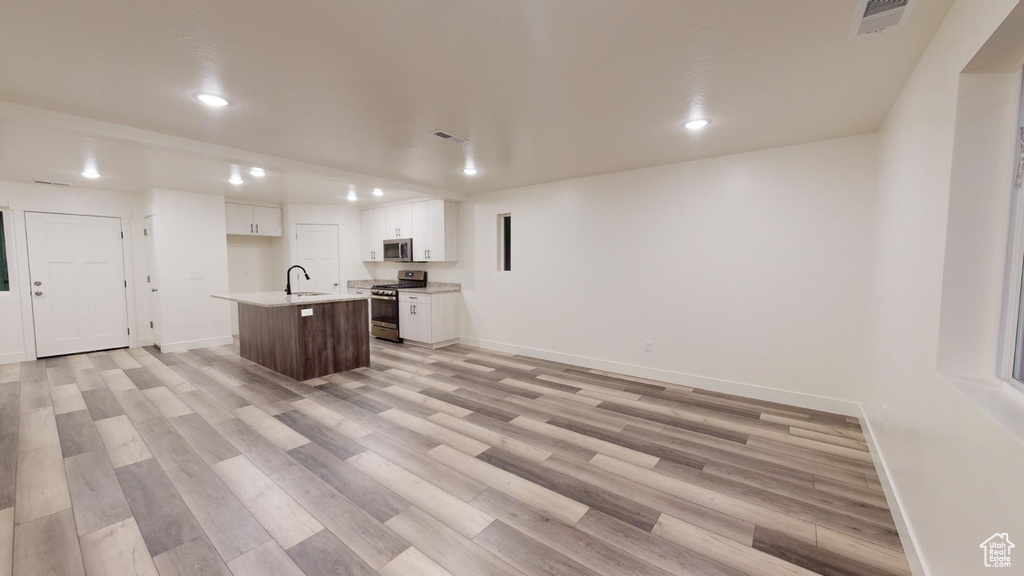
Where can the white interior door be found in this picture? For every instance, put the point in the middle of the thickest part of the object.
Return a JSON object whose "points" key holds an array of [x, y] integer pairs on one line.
{"points": [[152, 281], [76, 267], [317, 252]]}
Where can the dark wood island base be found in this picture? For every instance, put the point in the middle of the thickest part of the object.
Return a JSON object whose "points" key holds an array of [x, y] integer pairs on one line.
{"points": [[334, 338]]}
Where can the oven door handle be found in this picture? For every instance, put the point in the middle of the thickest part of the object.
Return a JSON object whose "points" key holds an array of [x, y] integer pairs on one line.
{"points": [[384, 298]]}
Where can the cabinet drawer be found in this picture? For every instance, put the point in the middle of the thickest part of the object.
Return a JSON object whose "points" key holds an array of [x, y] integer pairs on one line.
{"points": [[413, 297]]}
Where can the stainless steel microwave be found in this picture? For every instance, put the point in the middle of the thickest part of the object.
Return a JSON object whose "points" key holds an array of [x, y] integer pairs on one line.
{"points": [[398, 250]]}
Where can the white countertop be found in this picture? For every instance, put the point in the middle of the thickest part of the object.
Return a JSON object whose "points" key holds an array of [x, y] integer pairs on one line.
{"points": [[279, 298]]}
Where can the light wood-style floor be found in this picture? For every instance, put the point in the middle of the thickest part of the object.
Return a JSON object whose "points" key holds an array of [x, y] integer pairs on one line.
{"points": [[457, 461]]}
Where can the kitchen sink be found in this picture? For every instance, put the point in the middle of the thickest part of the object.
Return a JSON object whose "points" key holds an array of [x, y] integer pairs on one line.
{"points": [[311, 293]]}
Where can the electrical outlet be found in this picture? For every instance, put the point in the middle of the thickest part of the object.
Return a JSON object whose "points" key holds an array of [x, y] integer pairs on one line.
{"points": [[196, 276], [648, 346]]}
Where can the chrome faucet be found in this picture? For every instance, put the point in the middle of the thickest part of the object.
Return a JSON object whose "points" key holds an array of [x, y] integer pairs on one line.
{"points": [[288, 274]]}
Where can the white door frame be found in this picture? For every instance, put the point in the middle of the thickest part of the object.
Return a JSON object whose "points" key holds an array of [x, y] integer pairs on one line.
{"points": [[42, 242], [21, 239], [152, 280], [295, 248]]}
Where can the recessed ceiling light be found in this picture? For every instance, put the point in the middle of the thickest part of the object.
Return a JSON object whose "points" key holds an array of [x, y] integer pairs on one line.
{"points": [[90, 173], [236, 180], [697, 124], [212, 99], [257, 172], [378, 192], [469, 171]]}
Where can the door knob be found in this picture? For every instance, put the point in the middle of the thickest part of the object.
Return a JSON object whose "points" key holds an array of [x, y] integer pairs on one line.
{"points": [[335, 283], [39, 292], [152, 289], [37, 283]]}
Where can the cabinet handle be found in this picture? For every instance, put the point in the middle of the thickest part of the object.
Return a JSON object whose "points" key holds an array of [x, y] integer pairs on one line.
{"points": [[257, 228], [250, 229]]}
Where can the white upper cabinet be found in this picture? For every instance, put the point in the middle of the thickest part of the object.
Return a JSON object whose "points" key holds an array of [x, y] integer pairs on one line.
{"points": [[433, 226], [373, 228], [421, 230], [247, 220], [267, 220], [398, 220], [435, 231], [240, 219]]}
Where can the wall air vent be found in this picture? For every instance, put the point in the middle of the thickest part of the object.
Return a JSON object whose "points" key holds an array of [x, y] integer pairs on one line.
{"points": [[450, 137], [48, 183], [877, 15]]}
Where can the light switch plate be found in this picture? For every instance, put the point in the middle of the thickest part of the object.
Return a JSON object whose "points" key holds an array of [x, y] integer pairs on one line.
{"points": [[196, 276]]}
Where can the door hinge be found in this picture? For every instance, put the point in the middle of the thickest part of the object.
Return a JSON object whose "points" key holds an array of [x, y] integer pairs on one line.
{"points": [[122, 235], [145, 231], [150, 323], [129, 331], [148, 281], [125, 283]]}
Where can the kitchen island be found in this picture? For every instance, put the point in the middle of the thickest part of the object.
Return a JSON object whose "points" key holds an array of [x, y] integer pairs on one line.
{"points": [[303, 336]]}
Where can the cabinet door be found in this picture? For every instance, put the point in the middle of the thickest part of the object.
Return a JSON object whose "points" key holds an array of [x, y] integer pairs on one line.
{"points": [[267, 220], [240, 219], [422, 230], [436, 237], [408, 324], [419, 324], [372, 230], [399, 221]]}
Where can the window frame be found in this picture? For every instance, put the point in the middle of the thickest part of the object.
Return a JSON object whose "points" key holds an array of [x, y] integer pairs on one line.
{"points": [[7, 228], [1013, 307], [505, 242]]}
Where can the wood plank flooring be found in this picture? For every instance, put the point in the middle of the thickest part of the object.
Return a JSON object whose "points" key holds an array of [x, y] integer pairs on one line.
{"points": [[451, 462]]}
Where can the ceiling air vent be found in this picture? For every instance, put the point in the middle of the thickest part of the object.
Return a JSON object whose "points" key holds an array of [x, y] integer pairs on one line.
{"points": [[450, 137], [48, 183], [877, 15]]}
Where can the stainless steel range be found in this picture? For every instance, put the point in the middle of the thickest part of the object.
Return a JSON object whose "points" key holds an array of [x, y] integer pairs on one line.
{"points": [[384, 304]]}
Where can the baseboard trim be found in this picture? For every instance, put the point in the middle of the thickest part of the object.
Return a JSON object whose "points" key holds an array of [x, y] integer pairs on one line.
{"points": [[433, 346], [193, 344], [907, 539], [12, 357], [799, 399]]}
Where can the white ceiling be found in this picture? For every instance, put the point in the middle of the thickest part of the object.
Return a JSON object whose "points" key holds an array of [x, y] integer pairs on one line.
{"points": [[38, 145], [546, 90]]}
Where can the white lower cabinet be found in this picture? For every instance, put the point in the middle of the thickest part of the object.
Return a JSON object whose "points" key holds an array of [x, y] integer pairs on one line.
{"points": [[429, 319]]}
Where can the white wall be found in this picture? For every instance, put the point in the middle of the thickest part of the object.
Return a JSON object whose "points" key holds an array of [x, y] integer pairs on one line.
{"points": [[254, 265], [744, 271], [958, 475], [191, 240]]}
